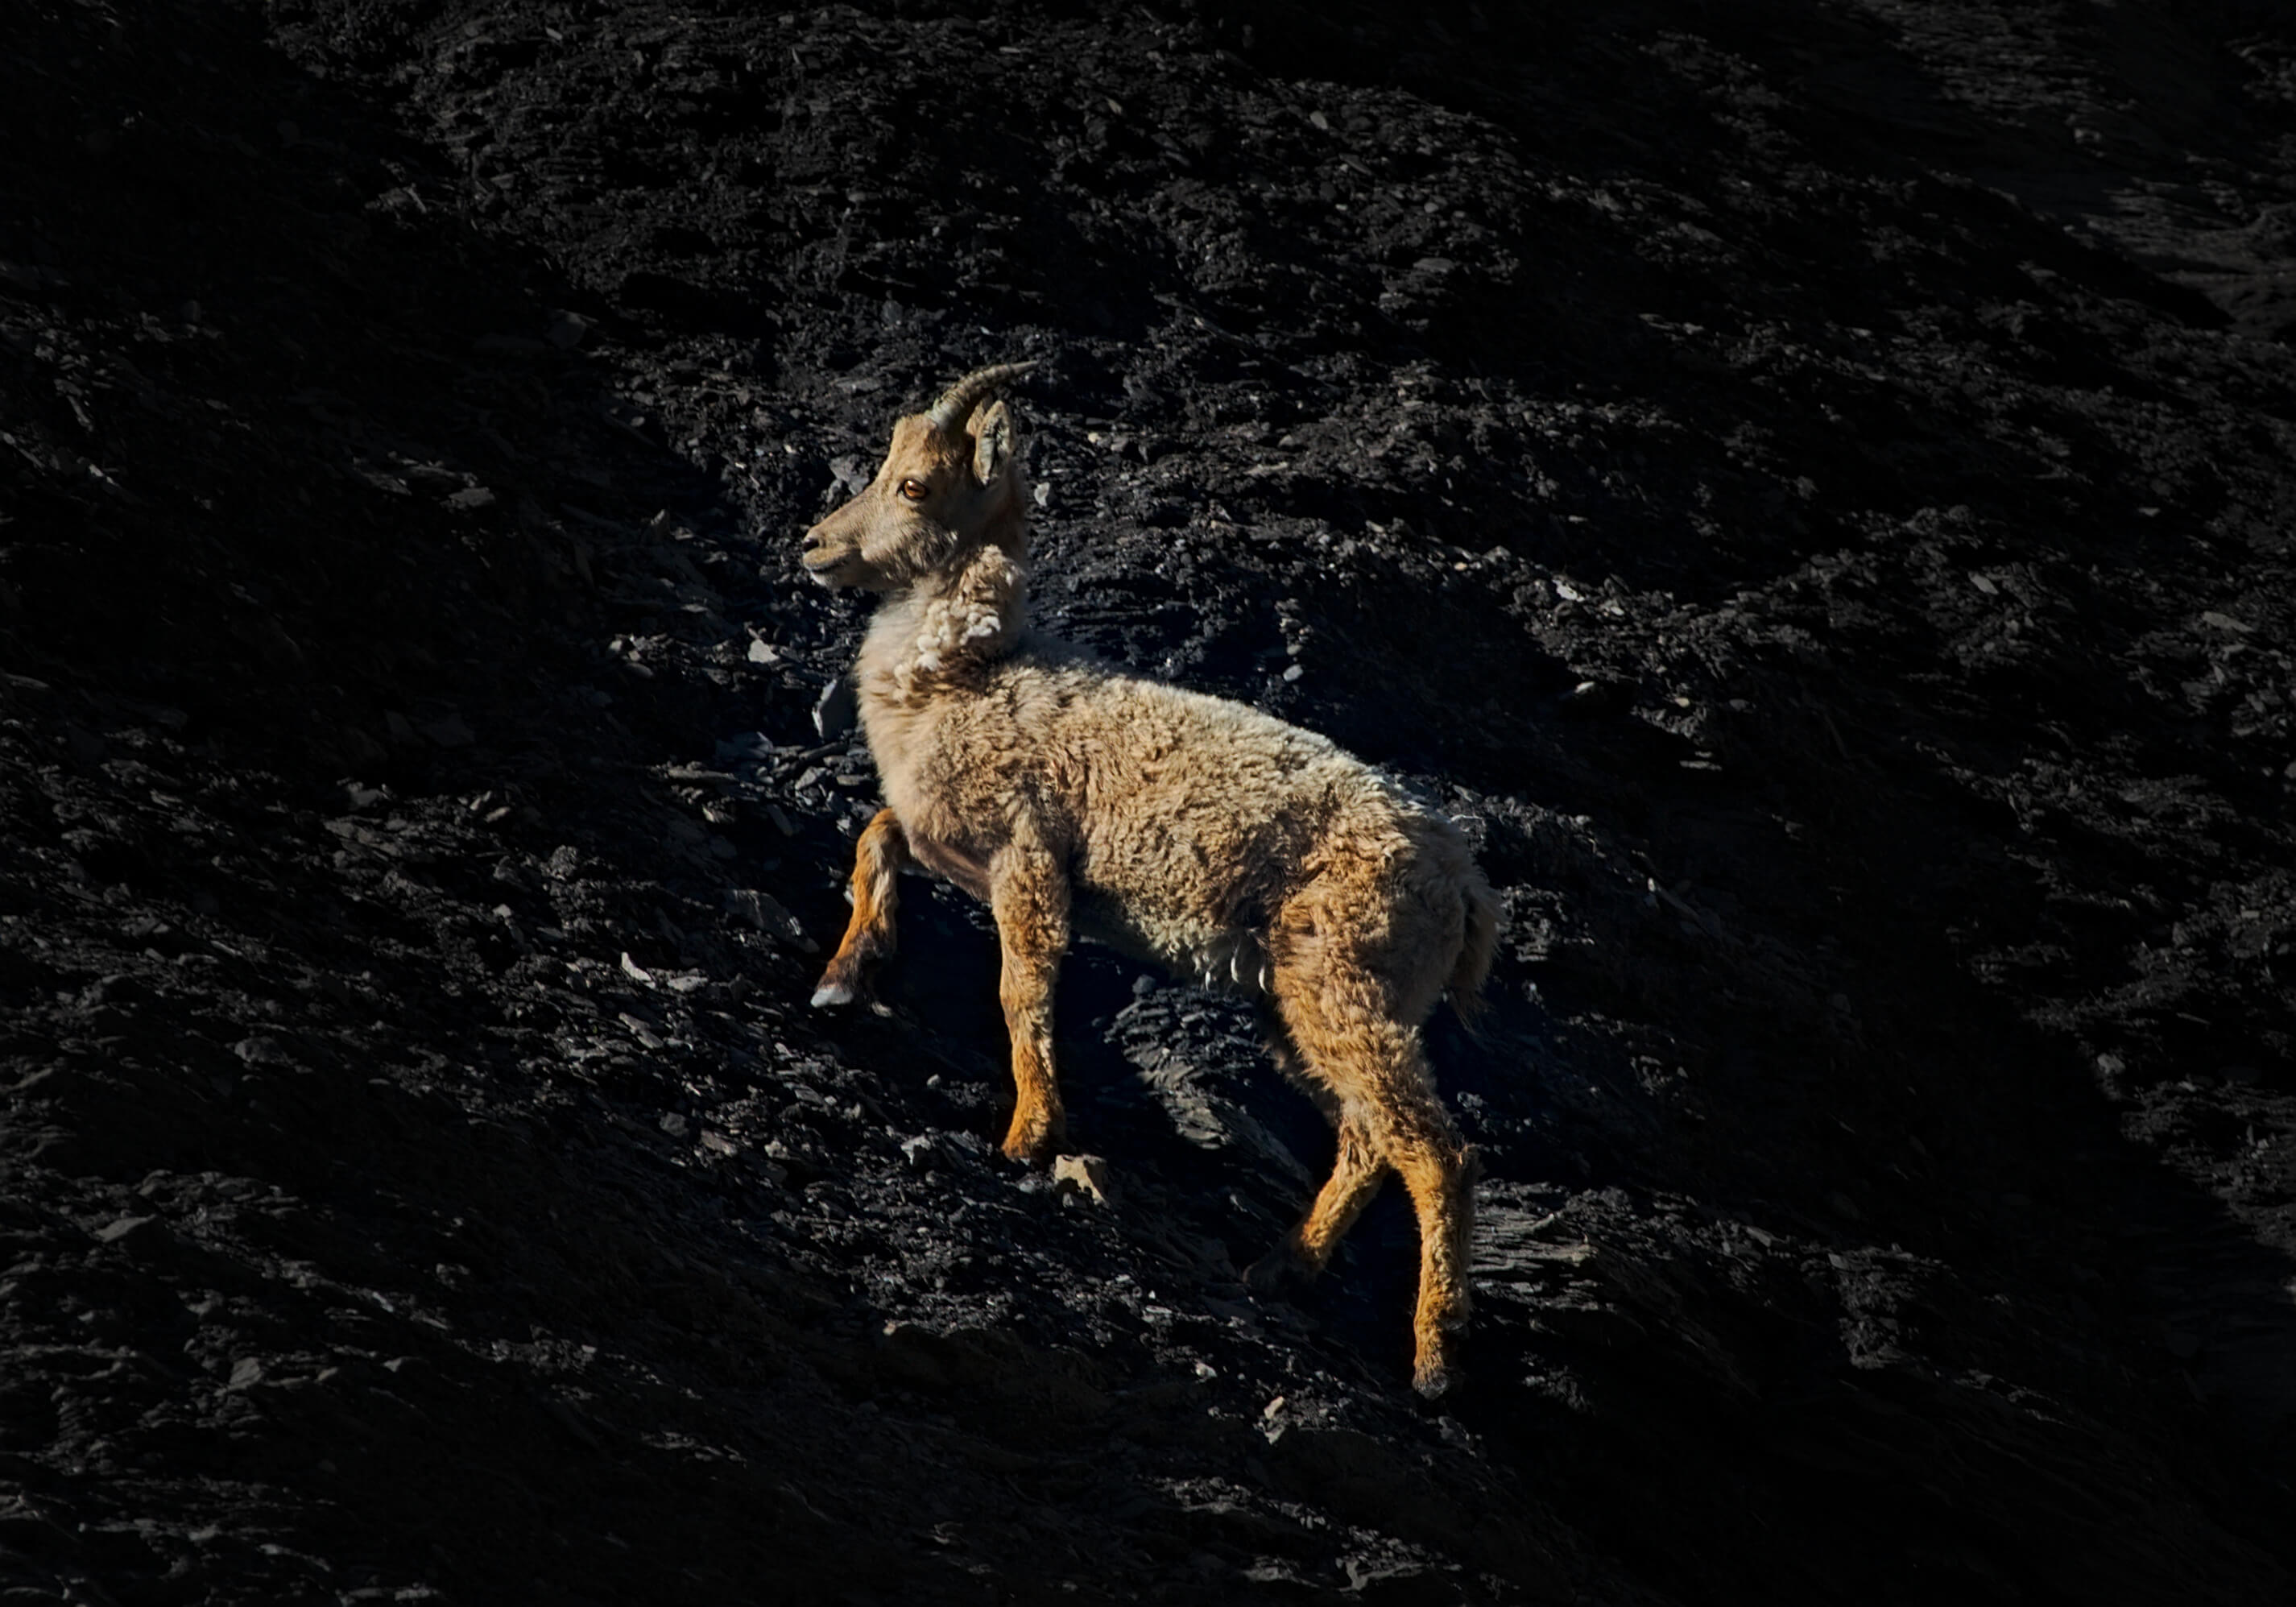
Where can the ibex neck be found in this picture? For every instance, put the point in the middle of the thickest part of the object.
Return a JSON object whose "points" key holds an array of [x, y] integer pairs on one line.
{"points": [[945, 629]]}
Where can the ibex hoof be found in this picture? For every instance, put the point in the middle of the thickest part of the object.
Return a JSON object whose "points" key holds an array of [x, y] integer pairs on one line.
{"points": [[1034, 1145], [1279, 1269], [1434, 1377], [832, 993]]}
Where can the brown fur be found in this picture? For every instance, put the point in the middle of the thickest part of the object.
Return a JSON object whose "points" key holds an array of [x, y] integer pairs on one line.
{"points": [[1186, 829]]}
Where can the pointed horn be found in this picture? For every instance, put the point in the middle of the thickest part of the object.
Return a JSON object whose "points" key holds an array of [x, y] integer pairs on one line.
{"points": [[958, 401]]}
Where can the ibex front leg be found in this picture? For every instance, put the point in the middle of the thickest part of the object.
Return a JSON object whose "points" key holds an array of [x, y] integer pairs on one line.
{"points": [[1029, 893], [878, 858]]}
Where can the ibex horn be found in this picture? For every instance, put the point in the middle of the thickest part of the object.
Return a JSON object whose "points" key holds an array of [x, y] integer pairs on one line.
{"points": [[958, 401]]}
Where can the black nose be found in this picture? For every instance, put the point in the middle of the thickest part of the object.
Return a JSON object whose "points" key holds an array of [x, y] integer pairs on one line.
{"points": [[812, 540]]}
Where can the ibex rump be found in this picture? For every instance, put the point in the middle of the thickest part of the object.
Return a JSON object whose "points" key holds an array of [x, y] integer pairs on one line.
{"points": [[1185, 829]]}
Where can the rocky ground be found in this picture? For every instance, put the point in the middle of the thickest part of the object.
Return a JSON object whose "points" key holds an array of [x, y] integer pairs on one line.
{"points": [[1809, 486]]}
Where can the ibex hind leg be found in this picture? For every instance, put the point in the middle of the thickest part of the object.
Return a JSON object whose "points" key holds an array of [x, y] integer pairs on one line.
{"points": [[1376, 1070], [1438, 1168], [1357, 1170], [878, 860]]}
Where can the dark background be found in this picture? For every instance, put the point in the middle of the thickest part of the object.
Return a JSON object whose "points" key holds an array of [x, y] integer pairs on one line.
{"points": [[1808, 485]]}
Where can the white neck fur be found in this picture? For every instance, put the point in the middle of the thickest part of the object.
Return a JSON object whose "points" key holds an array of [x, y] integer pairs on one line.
{"points": [[949, 625]]}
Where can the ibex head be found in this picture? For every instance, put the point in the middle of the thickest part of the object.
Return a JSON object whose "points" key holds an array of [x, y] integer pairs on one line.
{"points": [[950, 483]]}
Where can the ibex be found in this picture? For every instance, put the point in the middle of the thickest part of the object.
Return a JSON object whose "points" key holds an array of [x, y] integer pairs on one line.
{"points": [[1185, 829]]}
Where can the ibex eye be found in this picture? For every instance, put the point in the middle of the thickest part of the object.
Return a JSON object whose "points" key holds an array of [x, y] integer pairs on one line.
{"points": [[915, 490]]}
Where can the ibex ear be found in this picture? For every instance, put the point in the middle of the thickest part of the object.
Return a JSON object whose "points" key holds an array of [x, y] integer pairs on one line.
{"points": [[992, 444]]}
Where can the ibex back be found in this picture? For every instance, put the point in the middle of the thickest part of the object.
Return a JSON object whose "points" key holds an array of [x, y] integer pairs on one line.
{"points": [[1198, 832]]}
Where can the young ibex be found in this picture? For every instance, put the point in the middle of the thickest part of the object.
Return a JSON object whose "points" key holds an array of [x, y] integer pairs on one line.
{"points": [[1179, 827]]}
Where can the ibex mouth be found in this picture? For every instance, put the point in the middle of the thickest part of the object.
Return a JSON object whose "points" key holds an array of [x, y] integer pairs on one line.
{"points": [[825, 565]]}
